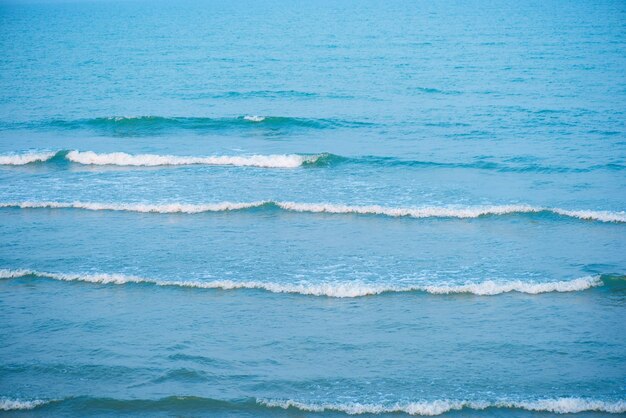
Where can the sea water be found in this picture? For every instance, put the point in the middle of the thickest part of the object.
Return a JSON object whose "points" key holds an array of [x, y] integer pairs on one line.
{"points": [[290, 209]]}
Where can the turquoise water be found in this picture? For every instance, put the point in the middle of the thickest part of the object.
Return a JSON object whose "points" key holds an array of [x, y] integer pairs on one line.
{"points": [[275, 209]]}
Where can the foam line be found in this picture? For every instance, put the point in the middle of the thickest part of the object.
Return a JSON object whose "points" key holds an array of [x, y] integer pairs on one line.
{"points": [[349, 289], [417, 212], [438, 407]]}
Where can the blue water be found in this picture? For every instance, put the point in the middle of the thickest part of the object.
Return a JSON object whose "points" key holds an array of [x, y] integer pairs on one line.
{"points": [[284, 209]]}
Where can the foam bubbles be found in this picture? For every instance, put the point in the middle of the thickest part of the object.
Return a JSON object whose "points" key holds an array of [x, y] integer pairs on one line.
{"points": [[438, 407], [26, 158], [254, 118], [418, 212], [350, 289], [17, 405]]}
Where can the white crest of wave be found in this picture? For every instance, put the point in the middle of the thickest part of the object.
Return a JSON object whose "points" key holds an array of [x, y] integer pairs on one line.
{"points": [[152, 160], [332, 289], [423, 212], [139, 207], [438, 407], [26, 158], [420, 212], [598, 215], [254, 118], [491, 287], [14, 404]]}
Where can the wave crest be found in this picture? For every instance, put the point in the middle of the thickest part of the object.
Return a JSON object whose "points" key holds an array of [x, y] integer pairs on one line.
{"points": [[19, 405], [350, 289], [26, 158], [418, 212], [153, 160], [438, 407], [150, 160]]}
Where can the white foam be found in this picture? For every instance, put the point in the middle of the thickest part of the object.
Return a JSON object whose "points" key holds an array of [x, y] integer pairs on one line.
{"points": [[14, 404], [491, 287], [438, 407], [253, 118], [138, 207], [604, 216], [26, 158], [332, 289], [419, 212], [151, 160]]}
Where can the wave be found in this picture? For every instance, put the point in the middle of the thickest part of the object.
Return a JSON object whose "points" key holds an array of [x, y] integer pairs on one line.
{"points": [[438, 407], [151, 160], [417, 212], [563, 405], [277, 161], [26, 158], [150, 125], [348, 289], [19, 405], [148, 160]]}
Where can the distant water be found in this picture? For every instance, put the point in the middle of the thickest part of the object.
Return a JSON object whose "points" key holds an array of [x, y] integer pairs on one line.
{"points": [[279, 209]]}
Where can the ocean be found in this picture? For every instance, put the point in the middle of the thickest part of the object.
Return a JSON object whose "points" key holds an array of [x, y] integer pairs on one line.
{"points": [[312, 209]]}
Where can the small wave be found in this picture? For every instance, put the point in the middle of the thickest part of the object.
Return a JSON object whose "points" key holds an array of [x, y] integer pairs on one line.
{"points": [[563, 405], [350, 289], [141, 208], [17, 405], [254, 118], [418, 212], [281, 160], [438, 407], [149, 160], [151, 125], [26, 158]]}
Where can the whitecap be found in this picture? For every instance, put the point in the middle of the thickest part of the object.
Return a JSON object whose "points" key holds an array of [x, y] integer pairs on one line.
{"points": [[417, 212], [254, 118], [26, 158], [351, 289], [16, 404], [438, 407]]}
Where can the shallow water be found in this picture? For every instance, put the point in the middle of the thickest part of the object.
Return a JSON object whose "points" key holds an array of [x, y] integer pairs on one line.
{"points": [[276, 209]]}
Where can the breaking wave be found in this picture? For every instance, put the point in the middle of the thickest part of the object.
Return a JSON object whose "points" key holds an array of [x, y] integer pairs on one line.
{"points": [[19, 405], [351, 289], [438, 407], [416, 212], [564, 405], [277, 161], [151, 160], [26, 158], [123, 159]]}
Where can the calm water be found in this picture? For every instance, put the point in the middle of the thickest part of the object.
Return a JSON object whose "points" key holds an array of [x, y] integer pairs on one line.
{"points": [[249, 209]]}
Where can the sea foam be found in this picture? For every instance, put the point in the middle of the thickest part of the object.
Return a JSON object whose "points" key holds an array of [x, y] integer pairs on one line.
{"points": [[15, 404], [153, 160], [438, 407], [417, 212], [150, 160], [26, 158], [346, 289]]}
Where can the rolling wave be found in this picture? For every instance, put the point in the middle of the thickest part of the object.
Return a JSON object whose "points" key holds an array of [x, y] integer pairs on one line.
{"points": [[150, 125], [349, 289], [417, 212], [26, 158], [563, 405], [19, 405], [152, 160], [278, 161], [438, 407]]}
